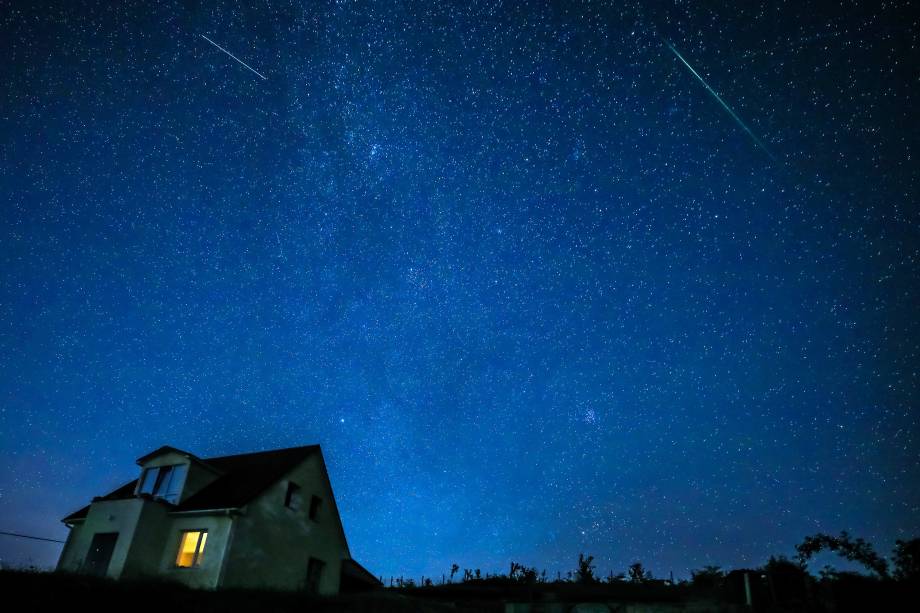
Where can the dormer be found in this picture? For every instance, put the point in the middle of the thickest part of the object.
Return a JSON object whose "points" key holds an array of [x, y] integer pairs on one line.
{"points": [[172, 475]]}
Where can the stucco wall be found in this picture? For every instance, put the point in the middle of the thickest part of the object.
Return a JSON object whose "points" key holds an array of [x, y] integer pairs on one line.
{"points": [[272, 543], [152, 549], [147, 545], [119, 516], [207, 575], [74, 551]]}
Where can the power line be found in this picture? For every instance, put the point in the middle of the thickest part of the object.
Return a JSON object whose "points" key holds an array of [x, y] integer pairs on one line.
{"points": [[34, 538]]}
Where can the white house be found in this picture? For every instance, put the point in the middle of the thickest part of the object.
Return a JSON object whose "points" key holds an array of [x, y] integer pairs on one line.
{"points": [[260, 520]]}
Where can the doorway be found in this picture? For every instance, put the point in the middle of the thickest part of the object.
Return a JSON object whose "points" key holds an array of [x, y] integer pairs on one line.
{"points": [[100, 553]]}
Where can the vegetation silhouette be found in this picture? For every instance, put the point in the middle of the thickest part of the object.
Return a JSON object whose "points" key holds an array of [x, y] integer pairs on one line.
{"points": [[708, 577], [780, 585], [856, 550], [907, 560], [638, 573], [585, 572]]}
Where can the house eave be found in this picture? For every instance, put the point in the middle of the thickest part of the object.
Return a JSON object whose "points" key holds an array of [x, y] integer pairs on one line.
{"points": [[224, 511]]}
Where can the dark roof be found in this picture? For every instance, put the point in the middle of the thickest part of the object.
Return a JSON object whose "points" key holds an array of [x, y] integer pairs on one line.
{"points": [[168, 449], [355, 571], [245, 476], [242, 478]]}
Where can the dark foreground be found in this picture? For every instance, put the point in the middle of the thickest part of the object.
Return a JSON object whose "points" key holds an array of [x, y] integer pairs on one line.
{"points": [[41, 591]]}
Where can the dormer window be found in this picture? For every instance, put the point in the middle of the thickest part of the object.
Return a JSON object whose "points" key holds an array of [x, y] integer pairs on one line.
{"points": [[163, 482]]}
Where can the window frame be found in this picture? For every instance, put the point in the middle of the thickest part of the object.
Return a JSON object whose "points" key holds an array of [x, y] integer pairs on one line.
{"points": [[315, 569], [292, 496], [168, 481], [145, 476], [199, 547]]}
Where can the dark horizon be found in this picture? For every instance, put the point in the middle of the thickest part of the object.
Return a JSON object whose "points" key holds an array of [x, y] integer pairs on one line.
{"points": [[541, 278]]}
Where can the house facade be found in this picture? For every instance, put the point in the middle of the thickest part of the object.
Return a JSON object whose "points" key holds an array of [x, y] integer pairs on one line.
{"points": [[255, 520]]}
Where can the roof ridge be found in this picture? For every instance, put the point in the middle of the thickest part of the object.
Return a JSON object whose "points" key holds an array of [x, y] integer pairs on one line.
{"points": [[264, 451]]}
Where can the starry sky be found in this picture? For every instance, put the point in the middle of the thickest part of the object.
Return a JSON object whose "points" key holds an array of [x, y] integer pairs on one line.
{"points": [[530, 285]]}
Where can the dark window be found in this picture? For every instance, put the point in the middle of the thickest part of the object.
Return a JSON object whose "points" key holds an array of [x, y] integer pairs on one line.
{"points": [[292, 497], [314, 575], [315, 501]]}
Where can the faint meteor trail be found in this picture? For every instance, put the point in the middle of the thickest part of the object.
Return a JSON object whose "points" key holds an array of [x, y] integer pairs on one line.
{"points": [[250, 68], [722, 102]]}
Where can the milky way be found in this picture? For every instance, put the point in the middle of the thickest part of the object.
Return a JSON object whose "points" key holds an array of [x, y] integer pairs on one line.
{"points": [[506, 262]]}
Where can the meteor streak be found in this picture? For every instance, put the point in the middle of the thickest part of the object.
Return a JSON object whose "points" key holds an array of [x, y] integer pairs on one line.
{"points": [[722, 102], [250, 68]]}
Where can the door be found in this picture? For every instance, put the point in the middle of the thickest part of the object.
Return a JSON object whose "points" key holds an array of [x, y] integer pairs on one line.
{"points": [[100, 553]]}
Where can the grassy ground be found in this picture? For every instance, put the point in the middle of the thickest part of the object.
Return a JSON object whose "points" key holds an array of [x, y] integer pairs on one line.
{"points": [[62, 593]]}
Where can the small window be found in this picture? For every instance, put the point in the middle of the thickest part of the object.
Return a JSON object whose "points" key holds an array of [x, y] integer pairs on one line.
{"points": [[314, 575], [191, 548], [292, 497], [315, 503]]}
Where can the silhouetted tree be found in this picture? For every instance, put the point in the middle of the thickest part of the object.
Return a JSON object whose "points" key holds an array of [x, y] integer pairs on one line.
{"points": [[522, 574], [907, 560], [453, 571], [854, 550], [787, 581], [528, 575], [638, 574], [585, 571], [782, 564], [707, 577]]}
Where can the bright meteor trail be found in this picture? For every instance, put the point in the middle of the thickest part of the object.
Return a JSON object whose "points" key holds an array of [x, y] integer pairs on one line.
{"points": [[722, 102], [238, 59]]}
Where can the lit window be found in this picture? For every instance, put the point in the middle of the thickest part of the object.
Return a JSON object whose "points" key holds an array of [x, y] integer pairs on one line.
{"points": [[164, 482], [191, 548]]}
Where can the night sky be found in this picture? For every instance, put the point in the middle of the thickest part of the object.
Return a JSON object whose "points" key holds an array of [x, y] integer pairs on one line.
{"points": [[528, 282]]}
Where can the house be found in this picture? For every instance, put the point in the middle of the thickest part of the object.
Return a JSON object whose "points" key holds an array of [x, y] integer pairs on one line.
{"points": [[258, 520]]}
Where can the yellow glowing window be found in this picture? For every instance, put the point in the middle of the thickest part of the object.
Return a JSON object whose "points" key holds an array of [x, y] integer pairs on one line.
{"points": [[191, 548]]}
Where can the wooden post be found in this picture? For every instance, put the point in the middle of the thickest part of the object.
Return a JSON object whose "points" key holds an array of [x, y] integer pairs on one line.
{"points": [[747, 591]]}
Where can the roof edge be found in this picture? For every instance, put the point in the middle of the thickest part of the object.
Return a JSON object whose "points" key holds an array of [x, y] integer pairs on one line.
{"points": [[170, 449]]}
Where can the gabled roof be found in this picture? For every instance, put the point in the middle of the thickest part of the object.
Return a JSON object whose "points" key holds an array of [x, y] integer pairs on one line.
{"points": [[242, 478], [245, 476], [169, 449]]}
